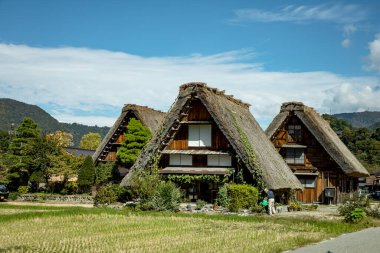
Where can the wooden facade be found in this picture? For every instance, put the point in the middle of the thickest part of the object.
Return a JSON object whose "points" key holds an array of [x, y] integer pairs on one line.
{"points": [[199, 115], [324, 180]]}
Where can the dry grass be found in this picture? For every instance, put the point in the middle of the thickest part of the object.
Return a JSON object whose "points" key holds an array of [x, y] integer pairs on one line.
{"points": [[58, 229]]}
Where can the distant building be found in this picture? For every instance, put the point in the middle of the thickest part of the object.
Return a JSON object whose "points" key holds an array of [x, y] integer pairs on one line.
{"points": [[314, 152]]}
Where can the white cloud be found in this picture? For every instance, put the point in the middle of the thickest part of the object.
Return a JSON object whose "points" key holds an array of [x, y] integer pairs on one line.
{"points": [[345, 15], [374, 54], [337, 13], [70, 82], [346, 43]]}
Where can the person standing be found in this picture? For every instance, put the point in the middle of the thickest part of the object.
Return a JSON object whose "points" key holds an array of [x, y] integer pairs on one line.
{"points": [[270, 195]]}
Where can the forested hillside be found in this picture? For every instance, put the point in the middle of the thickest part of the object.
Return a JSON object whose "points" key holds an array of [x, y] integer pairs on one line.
{"points": [[363, 142], [12, 112], [361, 119]]}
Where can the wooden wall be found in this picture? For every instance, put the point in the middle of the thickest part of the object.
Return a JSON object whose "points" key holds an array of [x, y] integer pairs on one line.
{"points": [[317, 160], [199, 113]]}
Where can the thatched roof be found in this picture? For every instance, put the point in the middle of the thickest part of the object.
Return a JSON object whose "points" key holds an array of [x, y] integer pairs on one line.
{"points": [[147, 116], [239, 127], [324, 134]]}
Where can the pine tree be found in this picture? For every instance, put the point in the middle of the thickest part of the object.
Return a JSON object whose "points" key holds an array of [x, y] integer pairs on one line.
{"points": [[19, 153], [136, 136], [86, 175]]}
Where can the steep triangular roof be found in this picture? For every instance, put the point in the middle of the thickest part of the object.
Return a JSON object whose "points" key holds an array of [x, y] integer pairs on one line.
{"points": [[324, 134], [237, 124], [148, 117]]}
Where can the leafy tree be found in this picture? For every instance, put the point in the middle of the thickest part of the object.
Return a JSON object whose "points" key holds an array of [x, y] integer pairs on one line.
{"points": [[136, 136], [90, 141], [62, 139], [86, 175]]}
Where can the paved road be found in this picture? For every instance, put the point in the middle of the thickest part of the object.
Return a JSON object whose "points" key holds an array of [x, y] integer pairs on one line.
{"points": [[365, 241]]}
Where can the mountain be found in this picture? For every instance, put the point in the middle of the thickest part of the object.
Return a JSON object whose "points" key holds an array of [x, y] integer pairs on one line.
{"points": [[12, 112], [361, 119]]}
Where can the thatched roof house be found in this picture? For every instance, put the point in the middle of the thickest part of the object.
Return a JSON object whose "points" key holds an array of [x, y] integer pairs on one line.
{"points": [[322, 131], [245, 140], [314, 152], [115, 136]]}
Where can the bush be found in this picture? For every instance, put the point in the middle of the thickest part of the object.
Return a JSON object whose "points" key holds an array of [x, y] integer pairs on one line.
{"points": [[143, 184], [223, 199], [352, 202], [13, 195], [200, 204], [242, 196], [374, 212], [23, 189], [69, 188], [355, 215], [109, 194], [103, 173], [258, 209], [166, 198]]}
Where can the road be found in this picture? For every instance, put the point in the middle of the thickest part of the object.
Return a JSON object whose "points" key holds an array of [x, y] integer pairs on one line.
{"points": [[365, 241]]}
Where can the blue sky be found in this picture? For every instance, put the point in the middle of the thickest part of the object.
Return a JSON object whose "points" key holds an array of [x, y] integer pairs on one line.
{"points": [[82, 60]]}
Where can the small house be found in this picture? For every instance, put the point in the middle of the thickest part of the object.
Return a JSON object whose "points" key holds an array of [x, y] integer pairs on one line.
{"points": [[208, 138], [320, 160], [106, 152]]}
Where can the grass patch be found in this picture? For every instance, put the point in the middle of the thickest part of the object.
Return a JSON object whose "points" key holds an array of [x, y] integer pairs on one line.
{"points": [[76, 229]]}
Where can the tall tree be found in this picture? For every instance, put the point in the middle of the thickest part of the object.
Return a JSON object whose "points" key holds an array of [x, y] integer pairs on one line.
{"points": [[86, 175], [62, 139], [136, 136], [90, 141], [19, 153]]}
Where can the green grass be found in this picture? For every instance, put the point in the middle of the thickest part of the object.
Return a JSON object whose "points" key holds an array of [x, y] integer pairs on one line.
{"points": [[75, 229]]}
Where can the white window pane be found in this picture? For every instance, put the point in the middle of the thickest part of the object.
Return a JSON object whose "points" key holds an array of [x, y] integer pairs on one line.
{"points": [[299, 156], [193, 136], [175, 159], [205, 135], [297, 127], [225, 160], [310, 183], [291, 127], [186, 160], [212, 160]]}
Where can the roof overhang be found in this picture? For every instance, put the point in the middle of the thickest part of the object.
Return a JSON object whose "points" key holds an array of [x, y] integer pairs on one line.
{"points": [[194, 152], [196, 170]]}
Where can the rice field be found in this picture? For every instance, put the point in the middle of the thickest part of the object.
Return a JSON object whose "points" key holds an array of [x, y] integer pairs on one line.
{"points": [[74, 229]]}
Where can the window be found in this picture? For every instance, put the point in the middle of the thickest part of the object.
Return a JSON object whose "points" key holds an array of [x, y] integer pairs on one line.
{"points": [[295, 155], [295, 132], [307, 182], [180, 159], [199, 136], [219, 160]]}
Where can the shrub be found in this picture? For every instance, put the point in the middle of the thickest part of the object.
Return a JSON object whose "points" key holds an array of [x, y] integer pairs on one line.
{"points": [[373, 212], [355, 215], [103, 173], [143, 184], [352, 202], [109, 194], [223, 198], [166, 198], [86, 175], [242, 196], [258, 209], [200, 204], [23, 189], [69, 188], [13, 195]]}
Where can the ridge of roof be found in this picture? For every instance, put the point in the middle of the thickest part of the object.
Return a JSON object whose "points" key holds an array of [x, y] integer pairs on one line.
{"points": [[202, 85]]}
